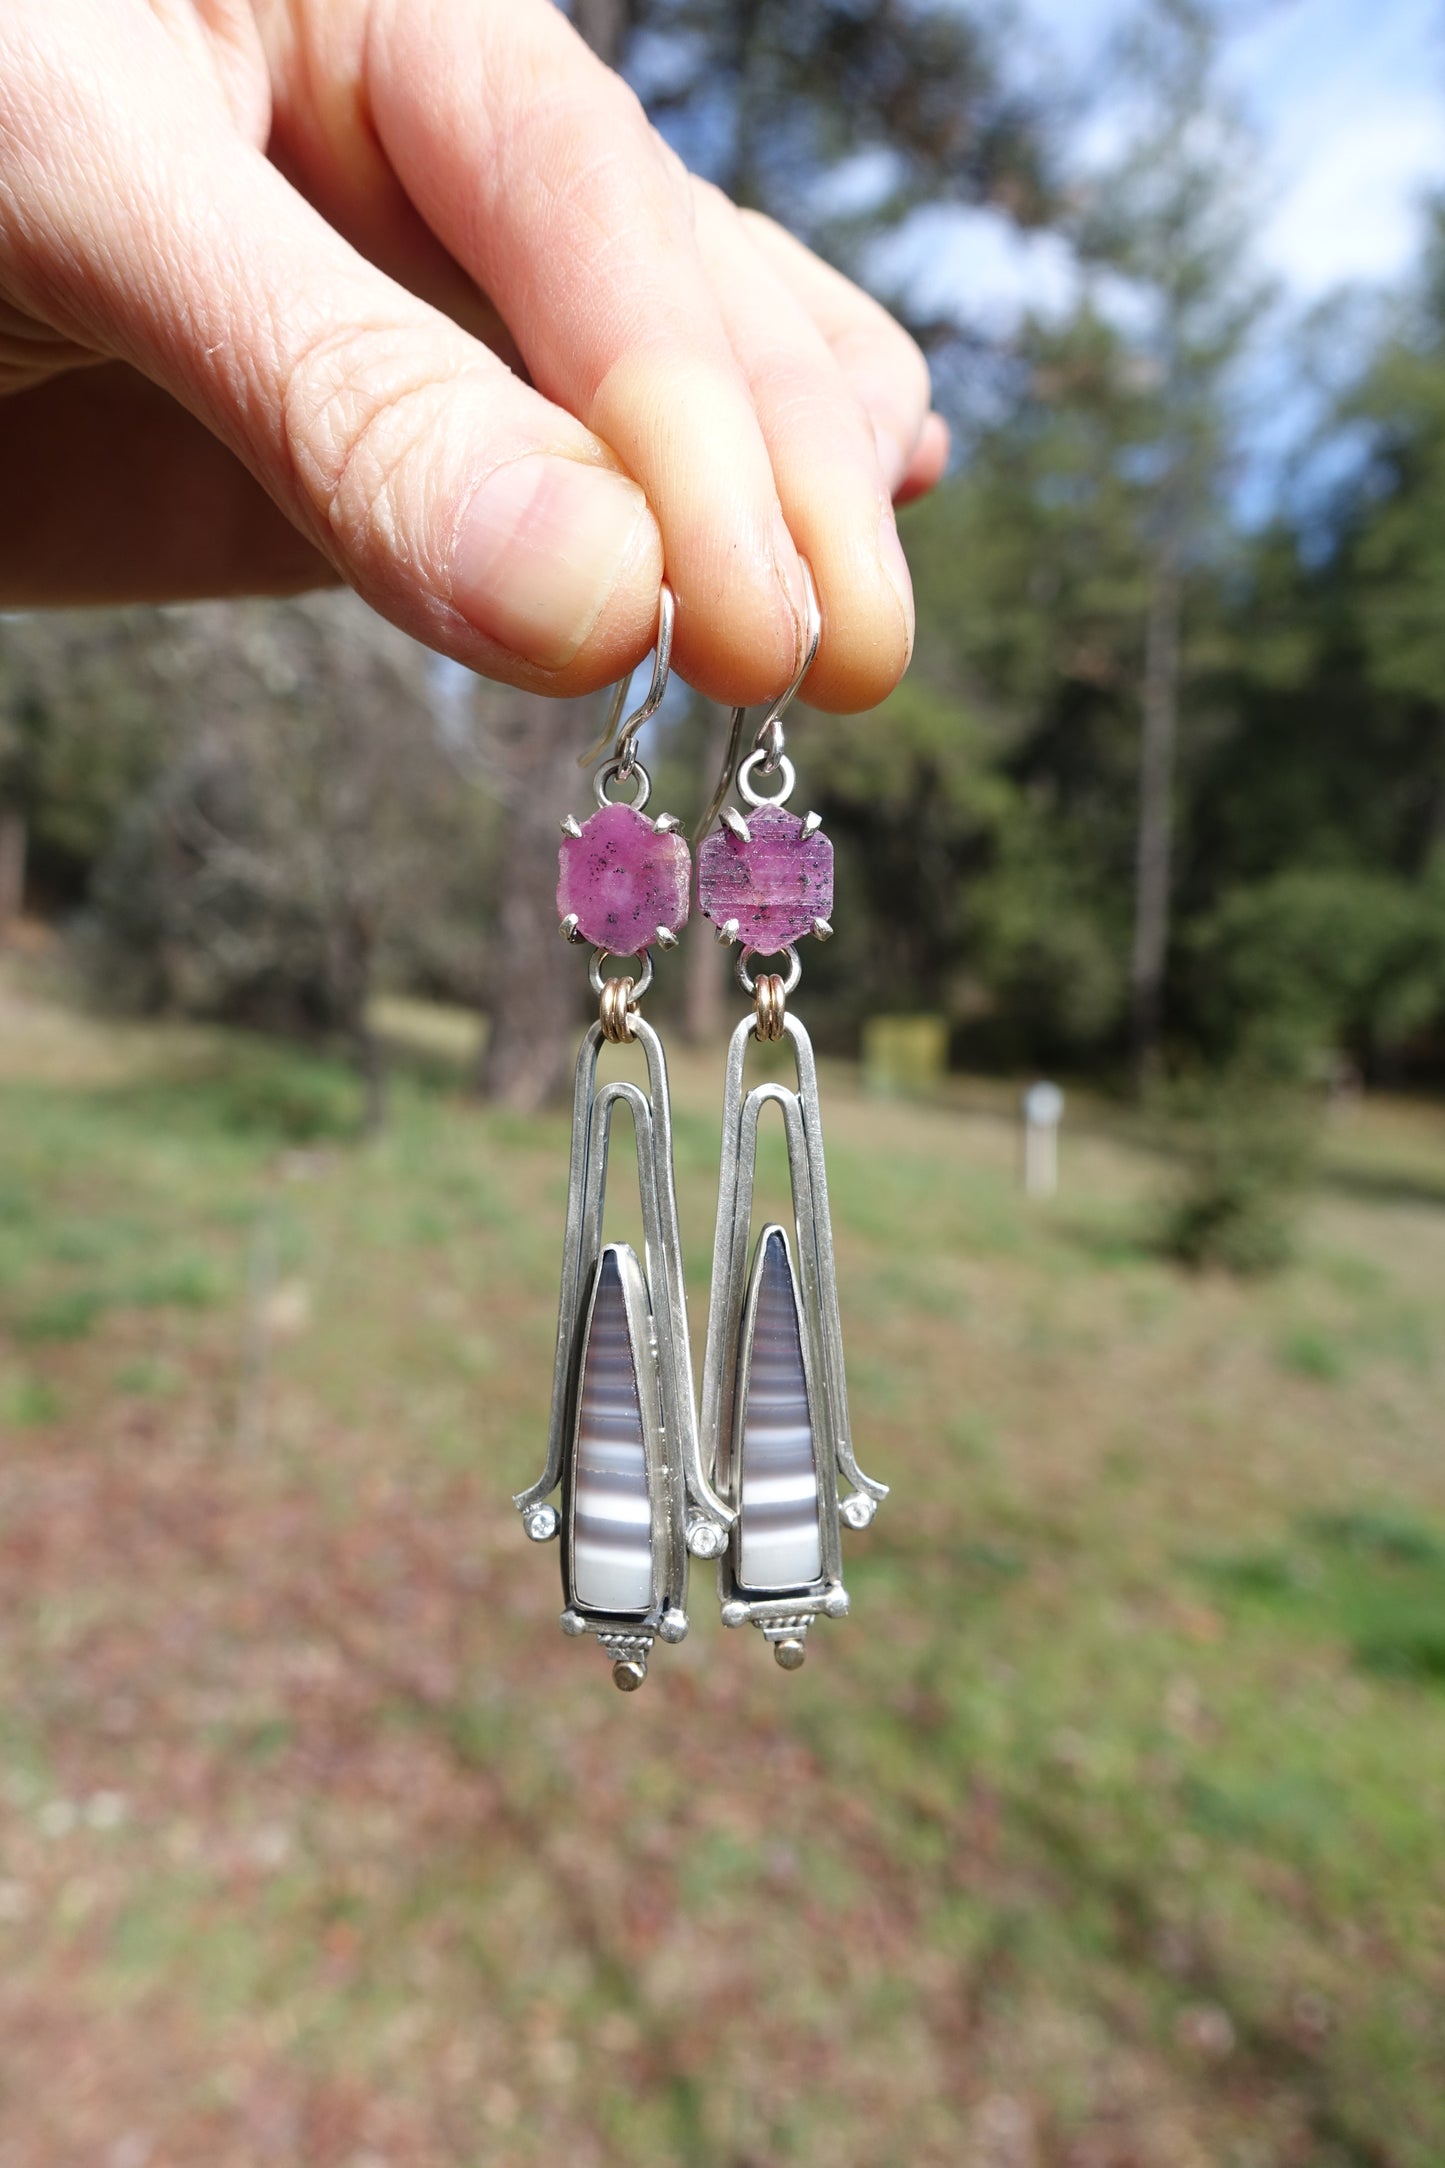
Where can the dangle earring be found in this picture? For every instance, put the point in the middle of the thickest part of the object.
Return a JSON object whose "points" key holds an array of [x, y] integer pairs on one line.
{"points": [[774, 1415], [623, 1443]]}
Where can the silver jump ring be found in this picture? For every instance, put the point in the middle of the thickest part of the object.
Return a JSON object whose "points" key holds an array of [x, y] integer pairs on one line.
{"points": [[759, 760], [795, 968], [621, 770], [639, 986]]}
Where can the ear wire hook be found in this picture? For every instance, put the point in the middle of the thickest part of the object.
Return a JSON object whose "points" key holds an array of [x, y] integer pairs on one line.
{"points": [[621, 760], [769, 739]]}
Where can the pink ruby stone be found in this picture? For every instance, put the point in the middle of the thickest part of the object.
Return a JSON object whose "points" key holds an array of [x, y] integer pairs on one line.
{"points": [[622, 879], [774, 885]]}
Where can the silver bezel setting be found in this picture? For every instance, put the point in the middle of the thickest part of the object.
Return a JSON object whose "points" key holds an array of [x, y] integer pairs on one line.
{"points": [[682, 1496], [732, 1303]]}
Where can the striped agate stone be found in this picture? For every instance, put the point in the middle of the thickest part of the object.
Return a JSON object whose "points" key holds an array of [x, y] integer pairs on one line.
{"points": [[779, 1546], [611, 1506]]}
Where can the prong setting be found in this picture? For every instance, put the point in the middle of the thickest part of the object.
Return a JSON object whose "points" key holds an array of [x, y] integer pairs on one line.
{"points": [[734, 821], [666, 938], [570, 825], [823, 929], [728, 931], [570, 930], [812, 822], [667, 824]]}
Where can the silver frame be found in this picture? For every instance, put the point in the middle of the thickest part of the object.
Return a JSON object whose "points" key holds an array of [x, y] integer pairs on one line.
{"points": [[733, 1301], [688, 1514]]}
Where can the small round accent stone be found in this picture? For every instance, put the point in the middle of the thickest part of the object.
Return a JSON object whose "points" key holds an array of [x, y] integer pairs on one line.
{"points": [[789, 1654], [572, 1622], [628, 1675], [859, 1510], [735, 1613], [837, 1603], [541, 1523], [706, 1540], [673, 1625]]}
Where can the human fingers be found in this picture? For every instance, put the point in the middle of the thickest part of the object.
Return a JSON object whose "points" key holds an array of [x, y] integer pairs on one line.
{"points": [[137, 220], [537, 169], [825, 461], [930, 458], [881, 362]]}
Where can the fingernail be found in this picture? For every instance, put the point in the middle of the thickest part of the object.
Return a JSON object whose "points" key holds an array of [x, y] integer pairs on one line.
{"points": [[895, 566], [892, 458], [540, 550], [790, 576]]}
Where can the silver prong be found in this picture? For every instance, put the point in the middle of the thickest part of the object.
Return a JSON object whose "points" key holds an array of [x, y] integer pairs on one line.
{"points": [[667, 824], [812, 822], [666, 938], [571, 931], [822, 929], [734, 820], [728, 931], [571, 826]]}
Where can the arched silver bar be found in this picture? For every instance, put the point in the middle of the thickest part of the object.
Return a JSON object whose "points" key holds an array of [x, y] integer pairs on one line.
{"points": [[662, 1242]]}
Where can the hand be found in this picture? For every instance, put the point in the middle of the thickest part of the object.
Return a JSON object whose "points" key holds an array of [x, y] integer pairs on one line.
{"points": [[264, 265]]}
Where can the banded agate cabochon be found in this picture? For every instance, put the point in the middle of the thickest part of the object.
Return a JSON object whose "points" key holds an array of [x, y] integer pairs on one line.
{"points": [[779, 1544], [611, 1504]]}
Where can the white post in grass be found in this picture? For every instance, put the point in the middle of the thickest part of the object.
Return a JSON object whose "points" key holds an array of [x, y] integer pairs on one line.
{"points": [[1043, 1110]]}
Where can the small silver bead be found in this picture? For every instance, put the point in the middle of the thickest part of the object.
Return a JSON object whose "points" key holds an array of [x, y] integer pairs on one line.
{"points": [[789, 1654], [572, 1622], [859, 1510], [837, 1603], [673, 1625], [735, 1613], [541, 1523], [705, 1539]]}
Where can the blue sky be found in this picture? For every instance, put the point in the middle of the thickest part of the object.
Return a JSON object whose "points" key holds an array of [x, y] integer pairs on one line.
{"points": [[1348, 97]]}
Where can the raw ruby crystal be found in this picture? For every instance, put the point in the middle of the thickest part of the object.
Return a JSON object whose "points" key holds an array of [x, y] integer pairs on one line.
{"points": [[623, 880], [775, 885]]}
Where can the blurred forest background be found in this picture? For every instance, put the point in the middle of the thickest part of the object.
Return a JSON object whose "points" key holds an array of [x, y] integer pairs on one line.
{"points": [[1106, 1833], [1165, 786]]}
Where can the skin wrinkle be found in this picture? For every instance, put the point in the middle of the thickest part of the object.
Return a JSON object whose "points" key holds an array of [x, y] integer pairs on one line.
{"points": [[153, 229]]}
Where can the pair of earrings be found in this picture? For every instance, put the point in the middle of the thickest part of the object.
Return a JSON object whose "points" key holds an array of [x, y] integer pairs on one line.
{"points": [[760, 1475]]}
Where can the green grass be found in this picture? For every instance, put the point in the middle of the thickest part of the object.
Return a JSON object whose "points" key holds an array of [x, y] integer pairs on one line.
{"points": [[1106, 1829]]}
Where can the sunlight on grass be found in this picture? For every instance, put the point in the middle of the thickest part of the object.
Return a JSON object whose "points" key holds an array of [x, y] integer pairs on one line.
{"points": [[1123, 1782]]}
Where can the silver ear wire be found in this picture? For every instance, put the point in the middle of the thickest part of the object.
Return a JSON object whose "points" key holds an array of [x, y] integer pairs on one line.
{"points": [[769, 738], [661, 669]]}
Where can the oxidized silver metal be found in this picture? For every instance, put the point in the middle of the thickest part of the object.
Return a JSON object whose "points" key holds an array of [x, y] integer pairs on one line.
{"points": [[783, 1617], [683, 1500]]}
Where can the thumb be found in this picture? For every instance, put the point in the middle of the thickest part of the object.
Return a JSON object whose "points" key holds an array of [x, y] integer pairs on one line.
{"points": [[467, 508]]}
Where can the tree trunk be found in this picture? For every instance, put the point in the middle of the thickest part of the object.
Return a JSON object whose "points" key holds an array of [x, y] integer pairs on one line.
{"points": [[538, 981], [603, 23], [1156, 817], [537, 978], [12, 869], [706, 964]]}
